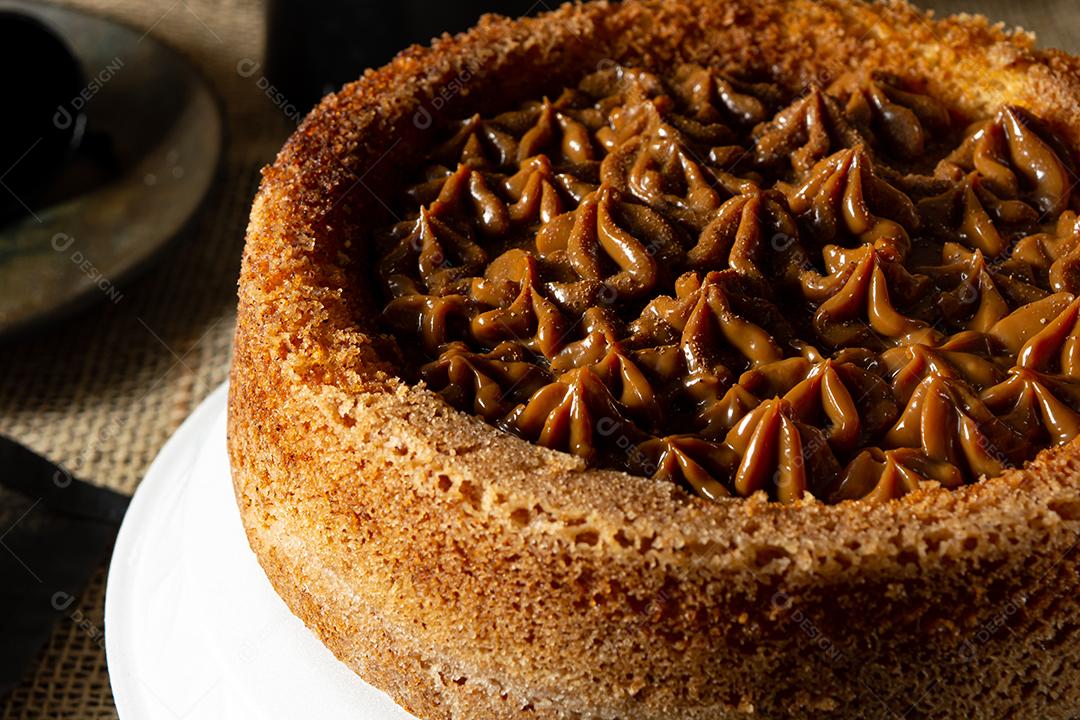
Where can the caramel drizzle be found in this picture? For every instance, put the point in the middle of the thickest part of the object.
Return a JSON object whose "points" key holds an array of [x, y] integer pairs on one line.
{"points": [[901, 121], [685, 279], [1014, 159], [843, 197], [806, 132]]}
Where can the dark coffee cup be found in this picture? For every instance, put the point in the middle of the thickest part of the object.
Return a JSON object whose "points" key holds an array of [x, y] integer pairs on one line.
{"points": [[41, 125]]}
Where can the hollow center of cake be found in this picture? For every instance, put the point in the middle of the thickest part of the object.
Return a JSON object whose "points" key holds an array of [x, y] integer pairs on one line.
{"points": [[851, 293]]}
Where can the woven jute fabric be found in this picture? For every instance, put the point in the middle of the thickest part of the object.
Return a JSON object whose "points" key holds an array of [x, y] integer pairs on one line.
{"points": [[102, 392]]}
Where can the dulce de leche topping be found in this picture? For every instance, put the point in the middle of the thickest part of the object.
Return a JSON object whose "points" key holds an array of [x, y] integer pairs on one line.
{"points": [[706, 281]]}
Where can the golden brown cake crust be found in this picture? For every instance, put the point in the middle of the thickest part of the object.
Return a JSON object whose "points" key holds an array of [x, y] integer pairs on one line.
{"points": [[474, 575]]}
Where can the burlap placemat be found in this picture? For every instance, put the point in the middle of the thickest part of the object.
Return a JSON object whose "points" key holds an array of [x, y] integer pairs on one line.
{"points": [[102, 392]]}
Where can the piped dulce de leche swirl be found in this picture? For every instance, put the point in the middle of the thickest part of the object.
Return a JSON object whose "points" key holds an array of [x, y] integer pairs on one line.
{"points": [[704, 280]]}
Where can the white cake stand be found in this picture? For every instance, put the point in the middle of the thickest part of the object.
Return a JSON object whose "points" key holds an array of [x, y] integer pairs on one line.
{"points": [[194, 629]]}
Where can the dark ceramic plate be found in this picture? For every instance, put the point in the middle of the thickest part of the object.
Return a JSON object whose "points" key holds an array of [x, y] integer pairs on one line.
{"points": [[149, 157]]}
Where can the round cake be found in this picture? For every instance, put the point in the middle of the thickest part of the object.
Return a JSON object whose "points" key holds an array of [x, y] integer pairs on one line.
{"points": [[678, 359]]}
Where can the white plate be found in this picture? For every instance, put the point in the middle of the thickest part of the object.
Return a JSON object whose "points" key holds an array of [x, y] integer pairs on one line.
{"points": [[194, 629]]}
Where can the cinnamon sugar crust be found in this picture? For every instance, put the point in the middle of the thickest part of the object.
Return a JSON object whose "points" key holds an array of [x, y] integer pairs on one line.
{"points": [[474, 575]]}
